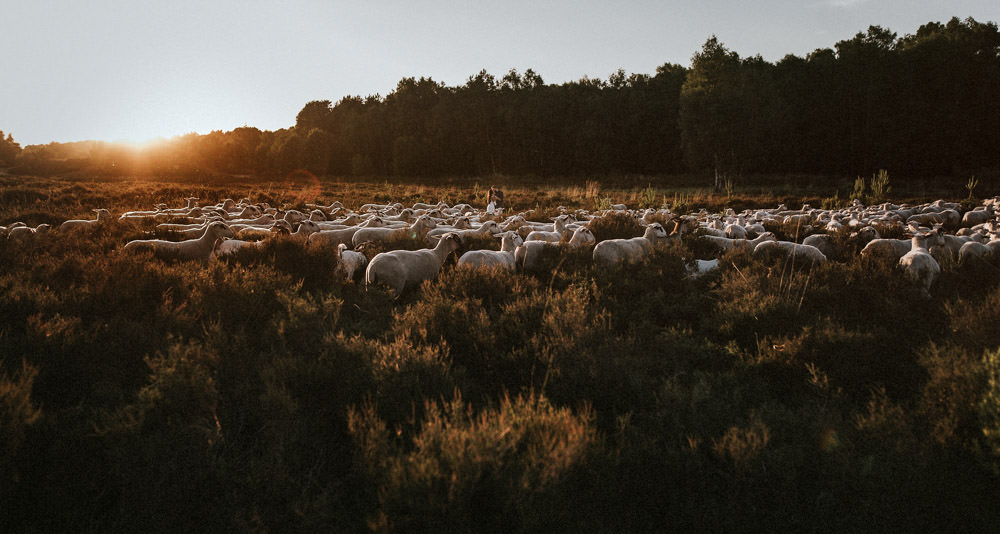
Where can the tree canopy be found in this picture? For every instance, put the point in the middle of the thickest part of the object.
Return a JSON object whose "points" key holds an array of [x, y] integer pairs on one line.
{"points": [[920, 104]]}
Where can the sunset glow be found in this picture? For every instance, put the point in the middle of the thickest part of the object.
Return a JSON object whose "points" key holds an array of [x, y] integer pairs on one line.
{"points": [[110, 70]]}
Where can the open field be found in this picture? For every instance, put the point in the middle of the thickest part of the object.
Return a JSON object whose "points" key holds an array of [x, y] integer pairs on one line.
{"points": [[265, 393]]}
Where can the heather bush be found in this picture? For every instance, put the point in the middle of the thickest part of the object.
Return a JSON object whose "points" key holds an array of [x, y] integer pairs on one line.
{"points": [[17, 413], [467, 471], [615, 225]]}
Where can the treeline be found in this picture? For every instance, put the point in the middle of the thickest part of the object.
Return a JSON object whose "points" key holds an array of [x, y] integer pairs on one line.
{"points": [[922, 104]]}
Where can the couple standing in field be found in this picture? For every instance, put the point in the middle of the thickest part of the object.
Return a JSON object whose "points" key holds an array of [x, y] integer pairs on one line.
{"points": [[494, 200]]}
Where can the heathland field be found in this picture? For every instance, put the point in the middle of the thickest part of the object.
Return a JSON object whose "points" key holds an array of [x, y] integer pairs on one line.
{"points": [[262, 391]]}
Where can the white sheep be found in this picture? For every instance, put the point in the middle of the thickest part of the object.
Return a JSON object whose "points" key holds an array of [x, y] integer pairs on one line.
{"points": [[735, 231], [487, 228], [701, 267], [554, 236], [326, 209], [953, 243], [103, 215], [178, 227], [233, 223], [919, 265], [978, 216], [23, 234], [513, 223], [340, 236], [414, 231], [294, 216], [279, 226], [192, 249], [581, 237], [790, 250], [401, 268], [5, 230], [973, 250], [724, 244], [612, 251], [351, 261], [528, 254], [229, 247], [824, 242], [503, 258], [305, 229], [888, 248], [140, 217], [461, 225]]}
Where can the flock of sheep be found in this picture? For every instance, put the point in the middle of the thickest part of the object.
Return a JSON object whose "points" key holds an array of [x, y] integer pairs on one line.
{"points": [[223, 229]]}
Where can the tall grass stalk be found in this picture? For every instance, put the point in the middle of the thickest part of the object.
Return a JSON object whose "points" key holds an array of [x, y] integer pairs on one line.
{"points": [[880, 187], [970, 186]]}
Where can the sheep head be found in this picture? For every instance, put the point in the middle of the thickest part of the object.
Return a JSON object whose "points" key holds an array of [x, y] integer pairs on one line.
{"points": [[655, 231], [219, 229], [582, 236], [450, 242]]}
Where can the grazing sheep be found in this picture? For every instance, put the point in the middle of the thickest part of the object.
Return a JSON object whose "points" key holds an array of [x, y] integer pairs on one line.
{"points": [[953, 243], [823, 242], [5, 230], [305, 229], [192, 232], [978, 216], [279, 226], [554, 236], [724, 244], [487, 228], [327, 209], [559, 223], [790, 250], [234, 223], [23, 234], [612, 251], [919, 265], [582, 236], [381, 207], [948, 216], [140, 217], [488, 258], [229, 247], [294, 216], [178, 227], [192, 249], [343, 235], [701, 267], [513, 223], [103, 215], [414, 231], [351, 261], [434, 234], [735, 231], [527, 255], [973, 250], [401, 268], [888, 248]]}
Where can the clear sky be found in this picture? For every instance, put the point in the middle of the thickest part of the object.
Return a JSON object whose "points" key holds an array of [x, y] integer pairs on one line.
{"points": [[133, 69]]}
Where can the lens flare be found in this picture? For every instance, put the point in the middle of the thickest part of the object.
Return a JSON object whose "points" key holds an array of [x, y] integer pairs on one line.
{"points": [[301, 186]]}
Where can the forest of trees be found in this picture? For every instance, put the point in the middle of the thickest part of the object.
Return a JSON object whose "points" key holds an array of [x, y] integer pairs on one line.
{"points": [[922, 105]]}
